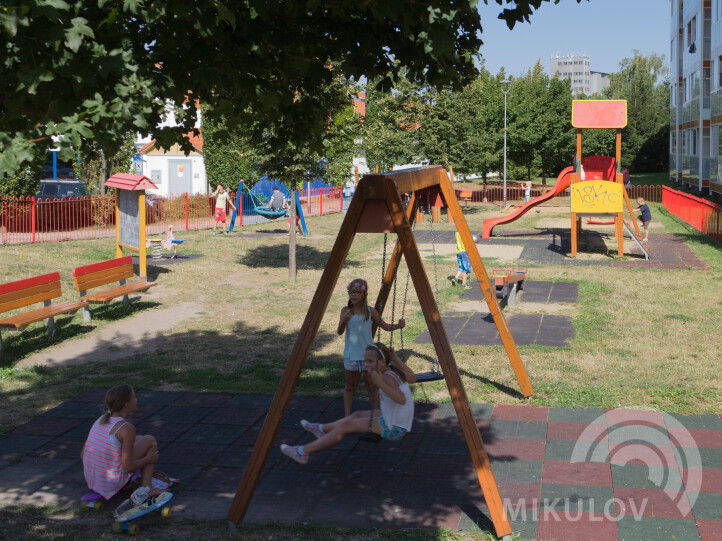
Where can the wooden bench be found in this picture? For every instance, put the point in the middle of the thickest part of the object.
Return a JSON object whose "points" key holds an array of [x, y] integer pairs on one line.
{"points": [[507, 282], [22, 293], [104, 273], [466, 196]]}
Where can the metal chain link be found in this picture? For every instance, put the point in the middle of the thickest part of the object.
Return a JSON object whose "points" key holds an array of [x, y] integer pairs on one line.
{"points": [[382, 289], [436, 274]]}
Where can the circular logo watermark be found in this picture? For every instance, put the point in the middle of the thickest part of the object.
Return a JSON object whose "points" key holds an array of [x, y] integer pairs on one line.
{"points": [[658, 441]]}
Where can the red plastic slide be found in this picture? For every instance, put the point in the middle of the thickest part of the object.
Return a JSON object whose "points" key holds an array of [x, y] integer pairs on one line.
{"points": [[561, 185]]}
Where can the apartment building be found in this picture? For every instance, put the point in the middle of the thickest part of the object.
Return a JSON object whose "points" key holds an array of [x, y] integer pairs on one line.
{"points": [[696, 94], [578, 69]]}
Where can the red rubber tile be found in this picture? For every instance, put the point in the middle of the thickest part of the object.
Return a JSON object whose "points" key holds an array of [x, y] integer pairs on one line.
{"points": [[575, 526], [577, 473], [702, 480], [709, 530], [625, 417], [577, 431], [653, 502], [516, 448], [643, 454], [703, 438], [517, 412]]}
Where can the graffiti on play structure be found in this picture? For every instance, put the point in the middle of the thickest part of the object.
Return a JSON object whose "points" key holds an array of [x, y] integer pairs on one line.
{"points": [[597, 196]]}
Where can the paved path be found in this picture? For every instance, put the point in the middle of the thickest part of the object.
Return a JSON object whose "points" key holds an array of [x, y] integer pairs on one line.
{"points": [[573, 474]]}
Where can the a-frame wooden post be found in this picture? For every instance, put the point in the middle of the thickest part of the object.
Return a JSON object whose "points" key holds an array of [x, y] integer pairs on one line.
{"points": [[386, 187]]}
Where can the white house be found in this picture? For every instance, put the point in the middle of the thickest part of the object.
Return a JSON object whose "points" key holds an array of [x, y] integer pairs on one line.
{"points": [[172, 171]]}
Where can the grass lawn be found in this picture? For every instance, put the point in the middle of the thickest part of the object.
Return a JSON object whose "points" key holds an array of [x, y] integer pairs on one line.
{"points": [[645, 338]]}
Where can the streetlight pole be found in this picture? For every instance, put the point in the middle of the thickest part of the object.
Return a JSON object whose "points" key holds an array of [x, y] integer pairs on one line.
{"points": [[505, 86]]}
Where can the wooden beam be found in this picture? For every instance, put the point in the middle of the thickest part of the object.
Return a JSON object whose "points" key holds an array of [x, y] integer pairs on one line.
{"points": [[487, 289], [405, 181], [289, 380], [448, 364]]}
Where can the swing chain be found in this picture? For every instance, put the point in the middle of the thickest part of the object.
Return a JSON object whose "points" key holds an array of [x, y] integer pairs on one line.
{"points": [[383, 288], [437, 367]]}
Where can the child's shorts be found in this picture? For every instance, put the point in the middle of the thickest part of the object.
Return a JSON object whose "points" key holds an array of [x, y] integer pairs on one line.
{"points": [[645, 225], [395, 434], [462, 258], [354, 366], [220, 215]]}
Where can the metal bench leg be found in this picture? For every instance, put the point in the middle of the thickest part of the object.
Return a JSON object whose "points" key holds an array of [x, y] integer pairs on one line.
{"points": [[51, 326], [86, 314], [126, 301], [1, 342], [511, 300]]}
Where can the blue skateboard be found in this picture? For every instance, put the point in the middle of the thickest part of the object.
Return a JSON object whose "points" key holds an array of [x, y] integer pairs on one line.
{"points": [[127, 522]]}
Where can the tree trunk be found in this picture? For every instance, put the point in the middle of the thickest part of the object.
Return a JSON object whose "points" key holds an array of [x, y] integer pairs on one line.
{"points": [[103, 173], [292, 232]]}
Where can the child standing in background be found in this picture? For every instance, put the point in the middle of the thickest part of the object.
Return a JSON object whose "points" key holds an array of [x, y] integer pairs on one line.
{"points": [[462, 258], [356, 320], [645, 218]]}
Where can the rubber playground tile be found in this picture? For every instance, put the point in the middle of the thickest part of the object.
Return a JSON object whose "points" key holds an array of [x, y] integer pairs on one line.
{"points": [[76, 410], [413, 490], [514, 448], [408, 444], [48, 426], [535, 291], [180, 414], [525, 471], [297, 483], [700, 480], [264, 508], [577, 499], [309, 403], [695, 437], [551, 322], [711, 458], [519, 412], [143, 412], [378, 462], [574, 451], [18, 445], [157, 398], [706, 506], [477, 518], [620, 416], [577, 431], [289, 436], [633, 528], [234, 416], [452, 444], [643, 476], [349, 512], [514, 494], [163, 431], [30, 473], [214, 434], [640, 432], [564, 292], [61, 447], [441, 465], [562, 472], [710, 421], [190, 453], [576, 526], [471, 338], [215, 479], [501, 428], [327, 461], [578, 415], [643, 453], [249, 401], [709, 530], [521, 322], [203, 400], [653, 502]]}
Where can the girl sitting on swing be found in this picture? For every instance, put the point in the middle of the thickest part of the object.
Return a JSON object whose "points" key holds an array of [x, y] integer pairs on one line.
{"points": [[392, 377]]}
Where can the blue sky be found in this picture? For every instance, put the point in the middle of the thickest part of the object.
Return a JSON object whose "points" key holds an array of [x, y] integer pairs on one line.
{"points": [[606, 30]]}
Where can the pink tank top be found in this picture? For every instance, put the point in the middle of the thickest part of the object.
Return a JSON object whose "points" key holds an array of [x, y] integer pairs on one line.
{"points": [[101, 459]]}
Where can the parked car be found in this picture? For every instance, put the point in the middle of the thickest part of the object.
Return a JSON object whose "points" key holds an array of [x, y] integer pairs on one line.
{"points": [[58, 205]]}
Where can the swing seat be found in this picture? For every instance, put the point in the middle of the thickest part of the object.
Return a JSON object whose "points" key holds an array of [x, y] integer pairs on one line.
{"points": [[425, 377], [271, 214]]}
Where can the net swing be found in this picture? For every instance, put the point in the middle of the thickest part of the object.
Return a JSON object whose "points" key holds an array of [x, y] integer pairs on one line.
{"points": [[262, 210]]}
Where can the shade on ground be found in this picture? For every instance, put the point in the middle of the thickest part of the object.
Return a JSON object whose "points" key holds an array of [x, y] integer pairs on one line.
{"points": [[575, 474]]}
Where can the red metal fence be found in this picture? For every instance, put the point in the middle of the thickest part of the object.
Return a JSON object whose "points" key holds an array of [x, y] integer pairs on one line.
{"points": [[28, 220], [701, 214]]}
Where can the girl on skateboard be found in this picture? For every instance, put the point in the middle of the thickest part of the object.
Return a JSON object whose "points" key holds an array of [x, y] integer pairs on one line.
{"points": [[113, 451]]}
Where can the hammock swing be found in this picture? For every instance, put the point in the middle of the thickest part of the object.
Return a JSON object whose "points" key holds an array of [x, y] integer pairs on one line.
{"points": [[262, 210]]}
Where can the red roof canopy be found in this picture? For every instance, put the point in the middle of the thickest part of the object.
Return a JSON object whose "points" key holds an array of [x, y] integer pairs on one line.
{"points": [[125, 181]]}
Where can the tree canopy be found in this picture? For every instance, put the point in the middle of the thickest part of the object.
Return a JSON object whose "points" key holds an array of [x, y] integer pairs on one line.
{"points": [[93, 69]]}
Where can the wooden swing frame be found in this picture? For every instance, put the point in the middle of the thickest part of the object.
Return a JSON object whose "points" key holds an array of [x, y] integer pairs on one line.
{"points": [[377, 207]]}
